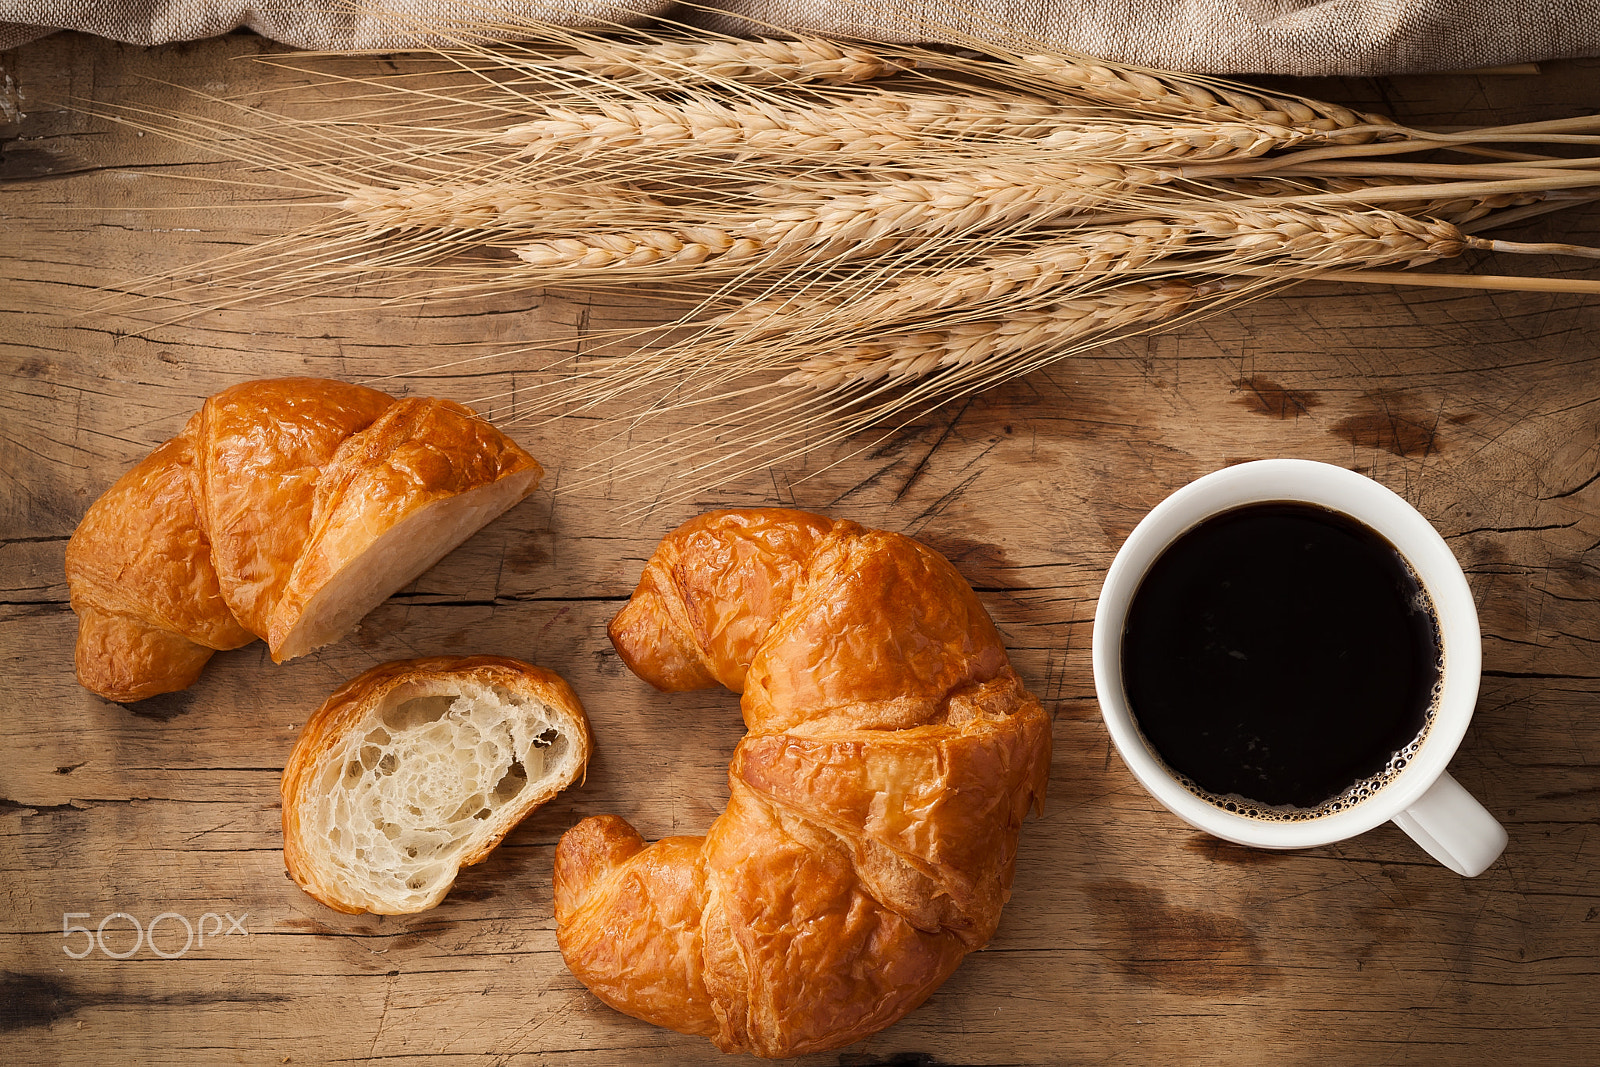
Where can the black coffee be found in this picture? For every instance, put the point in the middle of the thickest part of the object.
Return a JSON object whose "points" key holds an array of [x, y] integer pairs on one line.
{"points": [[1280, 653]]}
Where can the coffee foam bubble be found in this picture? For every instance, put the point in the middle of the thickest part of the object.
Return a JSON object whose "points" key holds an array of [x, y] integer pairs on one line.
{"points": [[1351, 797]]}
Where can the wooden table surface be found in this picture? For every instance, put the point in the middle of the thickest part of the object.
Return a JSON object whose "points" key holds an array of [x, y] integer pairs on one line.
{"points": [[1128, 939]]}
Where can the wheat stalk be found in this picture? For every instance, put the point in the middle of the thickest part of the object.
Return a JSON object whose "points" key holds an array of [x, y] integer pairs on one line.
{"points": [[1022, 275], [1209, 242], [881, 128], [498, 205], [1175, 95], [768, 61], [1302, 241]]}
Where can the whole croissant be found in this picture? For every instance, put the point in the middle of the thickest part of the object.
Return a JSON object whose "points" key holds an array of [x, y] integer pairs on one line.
{"points": [[871, 829], [285, 509]]}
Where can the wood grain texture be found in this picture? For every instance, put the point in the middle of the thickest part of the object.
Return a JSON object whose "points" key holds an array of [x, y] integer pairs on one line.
{"points": [[1129, 938]]}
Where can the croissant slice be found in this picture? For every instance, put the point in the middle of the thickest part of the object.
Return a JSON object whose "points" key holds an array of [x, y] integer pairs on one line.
{"points": [[874, 806], [286, 510], [262, 448], [418, 768], [391, 502]]}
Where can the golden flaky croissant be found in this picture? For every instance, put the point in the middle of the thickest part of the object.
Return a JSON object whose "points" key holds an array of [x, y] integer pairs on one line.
{"points": [[871, 830], [286, 509]]}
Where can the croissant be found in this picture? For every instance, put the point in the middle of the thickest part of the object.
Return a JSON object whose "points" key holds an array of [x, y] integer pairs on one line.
{"points": [[286, 509], [870, 835]]}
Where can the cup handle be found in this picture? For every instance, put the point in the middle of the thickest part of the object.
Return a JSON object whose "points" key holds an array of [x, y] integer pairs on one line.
{"points": [[1453, 828]]}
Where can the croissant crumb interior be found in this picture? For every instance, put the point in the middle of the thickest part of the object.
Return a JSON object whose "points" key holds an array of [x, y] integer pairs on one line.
{"points": [[414, 792]]}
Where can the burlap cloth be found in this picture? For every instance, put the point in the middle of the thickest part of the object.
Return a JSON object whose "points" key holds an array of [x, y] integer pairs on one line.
{"points": [[1359, 37]]}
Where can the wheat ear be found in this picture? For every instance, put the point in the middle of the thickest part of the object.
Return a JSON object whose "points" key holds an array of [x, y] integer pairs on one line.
{"points": [[1094, 257], [500, 205], [881, 126], [1057, 326], [1173, 94], [1371, 238], [853, 225], [768, 61]]}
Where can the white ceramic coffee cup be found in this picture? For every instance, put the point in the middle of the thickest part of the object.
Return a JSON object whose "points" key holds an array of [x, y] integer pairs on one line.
{"points": [[1422, 798]]}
